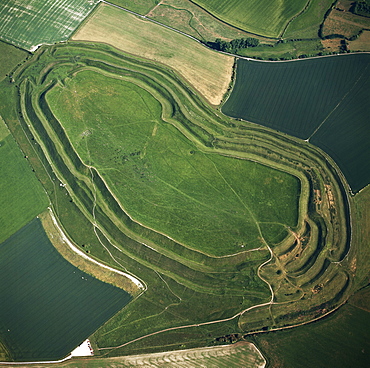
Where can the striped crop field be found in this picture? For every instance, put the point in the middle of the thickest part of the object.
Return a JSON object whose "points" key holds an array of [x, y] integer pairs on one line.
{"points": [[264, 17], [242, 354], [322, 100], [48, 306], [28, 24], [22, 196]]}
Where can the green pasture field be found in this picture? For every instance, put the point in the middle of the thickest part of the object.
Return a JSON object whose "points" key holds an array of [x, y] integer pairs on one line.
{"points": [[192, 299], [165, 182], [295, 98], [265, 18], [10, 56], [340, 340], [307, 24], [187, 17], [207, 71], [48, 306], [27, 25], [137, 6], [287, 50], [22, 196]]}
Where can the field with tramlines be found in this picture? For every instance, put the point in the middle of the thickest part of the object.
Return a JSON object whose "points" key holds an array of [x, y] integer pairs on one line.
{"points": [[282, 96], [48, 306], [206, 71], [29, 24]]}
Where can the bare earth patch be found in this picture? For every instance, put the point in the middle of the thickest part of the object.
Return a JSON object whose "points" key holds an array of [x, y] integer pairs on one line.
{"points": [[344, 23], [362, 43], [331, 45]]}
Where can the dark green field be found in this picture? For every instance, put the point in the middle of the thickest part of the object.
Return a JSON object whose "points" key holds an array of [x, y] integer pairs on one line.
{"points": [[325, 99], [349, 146], [48, 306], [341, 340]]}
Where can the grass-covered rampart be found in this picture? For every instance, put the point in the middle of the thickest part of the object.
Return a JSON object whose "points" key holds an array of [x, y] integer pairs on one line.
{"points": [[186, 287]]}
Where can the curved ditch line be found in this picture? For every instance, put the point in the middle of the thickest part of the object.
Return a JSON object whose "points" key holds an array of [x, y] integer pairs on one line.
{"points": [[167, 285], [83, 255], [151, 20], [196, 324], [233, 26], [192, 16], [95, 225], [294, 17]]}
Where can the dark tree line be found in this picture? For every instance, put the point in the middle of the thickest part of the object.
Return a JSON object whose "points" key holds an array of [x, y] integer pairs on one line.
{"points": [[233, 46]]}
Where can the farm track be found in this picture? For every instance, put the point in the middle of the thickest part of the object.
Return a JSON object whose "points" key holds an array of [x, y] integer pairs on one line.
{"points": [[323, 224]]}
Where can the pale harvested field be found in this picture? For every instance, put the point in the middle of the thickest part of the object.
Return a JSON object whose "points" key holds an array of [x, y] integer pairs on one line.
{"points": [[362, 43], [207, 71]]}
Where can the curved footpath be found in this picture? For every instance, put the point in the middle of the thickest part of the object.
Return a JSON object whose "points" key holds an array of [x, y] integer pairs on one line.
{"points": [[82, 254]]}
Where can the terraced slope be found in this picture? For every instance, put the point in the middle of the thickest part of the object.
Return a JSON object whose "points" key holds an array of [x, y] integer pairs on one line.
{"points": [[192, 297]]}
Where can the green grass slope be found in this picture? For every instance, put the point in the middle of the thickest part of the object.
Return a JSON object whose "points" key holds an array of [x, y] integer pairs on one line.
{"points": [[10, 56], [164, 181]]}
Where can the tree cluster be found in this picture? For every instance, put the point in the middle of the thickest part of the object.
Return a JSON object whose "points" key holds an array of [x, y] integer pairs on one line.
{"points": [[361, 8], [233, 46]]}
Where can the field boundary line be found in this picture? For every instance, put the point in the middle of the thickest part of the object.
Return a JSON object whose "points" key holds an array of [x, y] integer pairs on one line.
{"points": [[83, 255], [44, 362], [338, 104], [152, 20]]}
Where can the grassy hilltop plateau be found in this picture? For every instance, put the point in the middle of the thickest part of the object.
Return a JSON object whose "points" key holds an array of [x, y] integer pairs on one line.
{"points": [[185, 183]]}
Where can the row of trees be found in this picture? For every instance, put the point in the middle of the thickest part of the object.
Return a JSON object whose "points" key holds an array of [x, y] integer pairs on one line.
{"points": [[233, 46]]}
